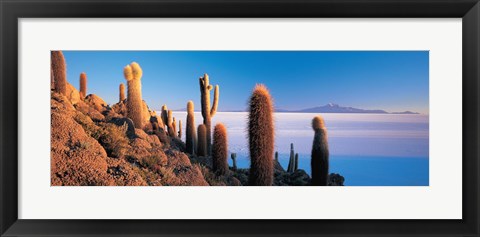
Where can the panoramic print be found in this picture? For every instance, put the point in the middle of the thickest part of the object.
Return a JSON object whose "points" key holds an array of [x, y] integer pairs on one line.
{"points": [[239, 118]]}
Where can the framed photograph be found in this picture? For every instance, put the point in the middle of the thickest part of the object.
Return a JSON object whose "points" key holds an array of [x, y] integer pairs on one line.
{"points": [[239, 118]]}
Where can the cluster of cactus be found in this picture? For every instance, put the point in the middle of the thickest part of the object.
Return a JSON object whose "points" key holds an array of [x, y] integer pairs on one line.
{"points": [[170, 123], [208, 112], [133, 74], [83, 85], [220, 150], [320, 153], [199, 142], [190, 134], [261, 137], [58, 72]]}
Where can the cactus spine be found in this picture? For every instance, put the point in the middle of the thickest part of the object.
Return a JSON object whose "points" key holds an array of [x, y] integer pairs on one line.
{"points": [[202, 140], [234, 161], [133, 74], [261, 137], [121, 90], [291, 161], [320, 154], [59, 72], [295, 168], [190, 132], [83, 85], [220, 149], [208, 112]]}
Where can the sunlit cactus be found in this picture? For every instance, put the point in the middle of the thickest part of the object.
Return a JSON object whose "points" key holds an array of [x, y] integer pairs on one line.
{"points": [[83, 85], [174, 128], [164, 115], [170, 125], [202, 140], [121, 90], [234, 161], [261, 137], [190, 130], [220, 149], [320, 154], [208, 112], [59, 72], [133, 74]]}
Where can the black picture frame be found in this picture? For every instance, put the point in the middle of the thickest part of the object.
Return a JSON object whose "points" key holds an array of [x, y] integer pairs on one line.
{"points": [[12, 10]]}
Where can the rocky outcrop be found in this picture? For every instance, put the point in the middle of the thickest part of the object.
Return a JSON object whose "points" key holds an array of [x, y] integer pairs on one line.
{"points": [[96, 102], [335, 180], [72, 94], [87, 148]]}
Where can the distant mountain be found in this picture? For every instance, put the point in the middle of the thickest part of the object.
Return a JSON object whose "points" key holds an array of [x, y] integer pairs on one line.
{"points": [[328, 108], [405, 112], [334, 108]]}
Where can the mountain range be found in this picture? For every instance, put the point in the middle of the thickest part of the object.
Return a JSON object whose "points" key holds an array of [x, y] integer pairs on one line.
{"points": [[332, 108]]}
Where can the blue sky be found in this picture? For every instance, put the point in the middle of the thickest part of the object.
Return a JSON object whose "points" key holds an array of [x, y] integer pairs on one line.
{"points": [[390, 80]]}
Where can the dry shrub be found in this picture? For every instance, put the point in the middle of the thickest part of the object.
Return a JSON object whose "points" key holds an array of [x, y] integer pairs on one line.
{"points": [[113, 138], [88, 125], [168, 177], [211, 178]]}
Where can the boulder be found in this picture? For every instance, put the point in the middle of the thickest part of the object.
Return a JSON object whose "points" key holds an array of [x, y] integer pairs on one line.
{"points": [[72, 94], [89, 111], [335, 180], [96, 102]]}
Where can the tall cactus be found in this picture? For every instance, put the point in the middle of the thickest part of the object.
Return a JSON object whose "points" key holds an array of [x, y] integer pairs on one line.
{"points": [[170, 124], [261, 137], [320, 154], [295, 167], [220, 149], [133, 74], [208, 112], [190, 134], [121, 92], [59, 72], [174, 128], [202, 140], [180, 129], [234, 161], [164, 115], [83, 85], [276, 156], [291, 161]]}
